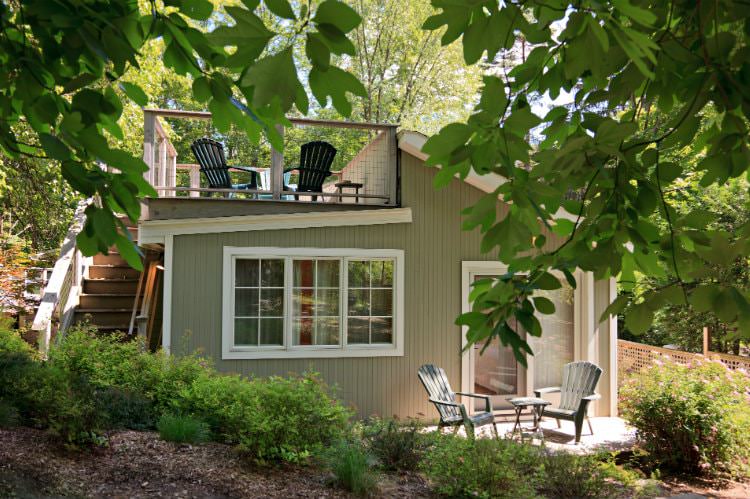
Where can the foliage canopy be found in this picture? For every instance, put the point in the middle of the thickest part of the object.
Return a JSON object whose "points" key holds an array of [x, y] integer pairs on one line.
{"points": [[615, 62]]}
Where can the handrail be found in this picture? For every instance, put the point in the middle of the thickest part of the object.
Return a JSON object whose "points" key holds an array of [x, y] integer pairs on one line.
{"points": [[60, 295], [205, 115]]}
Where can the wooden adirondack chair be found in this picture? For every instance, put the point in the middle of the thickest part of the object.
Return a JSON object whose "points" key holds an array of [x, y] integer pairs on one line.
{"points": [[577, 390], [210, 156], [451, 412], [315, 160]]}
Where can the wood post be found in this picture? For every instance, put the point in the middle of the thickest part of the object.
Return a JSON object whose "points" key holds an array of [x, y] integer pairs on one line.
{"points": [[277, 168], [706, 340]]}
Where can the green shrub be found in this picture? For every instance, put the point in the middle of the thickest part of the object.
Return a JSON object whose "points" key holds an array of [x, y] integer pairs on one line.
{"points": [[483, 468], [268, 418], [571, 476], [352, 467], [398, 447], [692, 419], [126, 409], [11, 341], [182, 429], [112, 361], [9, 415]]}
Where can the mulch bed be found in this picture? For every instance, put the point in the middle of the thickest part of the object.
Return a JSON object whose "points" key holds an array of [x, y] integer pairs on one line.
{"points": [[139, 464]]}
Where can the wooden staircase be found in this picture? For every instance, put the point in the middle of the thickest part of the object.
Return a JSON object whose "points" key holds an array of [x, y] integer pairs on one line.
{"points": [[109, 291], [108, 294]]}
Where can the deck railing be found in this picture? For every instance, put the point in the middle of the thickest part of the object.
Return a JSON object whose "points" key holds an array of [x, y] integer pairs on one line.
{"points": [[632, 357], [60, 295], [370, 159]]}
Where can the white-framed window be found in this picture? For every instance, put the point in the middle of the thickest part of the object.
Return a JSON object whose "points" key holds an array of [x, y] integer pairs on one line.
{"points": [[312, 302]]}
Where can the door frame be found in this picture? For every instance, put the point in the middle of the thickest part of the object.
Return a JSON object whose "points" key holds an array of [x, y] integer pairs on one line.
{"points": [[472, 268]]}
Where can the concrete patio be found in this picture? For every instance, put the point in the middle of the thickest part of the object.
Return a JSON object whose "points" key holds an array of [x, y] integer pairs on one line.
{"points": [[610, 434]]}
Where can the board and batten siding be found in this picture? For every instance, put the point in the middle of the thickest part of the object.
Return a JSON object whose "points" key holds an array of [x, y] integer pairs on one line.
{"points": [[434, 247]]}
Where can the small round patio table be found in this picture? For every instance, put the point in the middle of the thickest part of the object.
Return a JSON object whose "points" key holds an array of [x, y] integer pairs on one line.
{"points": [[536, 406]]}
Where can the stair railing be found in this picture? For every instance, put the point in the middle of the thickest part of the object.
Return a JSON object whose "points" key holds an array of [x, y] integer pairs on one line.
{"points": [[60, 295]]}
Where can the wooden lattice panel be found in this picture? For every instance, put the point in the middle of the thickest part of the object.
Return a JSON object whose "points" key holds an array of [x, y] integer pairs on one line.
{"points": [[632, 357]]}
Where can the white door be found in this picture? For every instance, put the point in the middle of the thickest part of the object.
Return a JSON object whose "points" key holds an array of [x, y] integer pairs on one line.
{"points": [[496, 372]]}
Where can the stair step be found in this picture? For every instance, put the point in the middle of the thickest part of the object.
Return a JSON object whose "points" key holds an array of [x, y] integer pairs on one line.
{"points": [[111, 259], [106, 300], [110, 286], [105, 317], [109, 271]]}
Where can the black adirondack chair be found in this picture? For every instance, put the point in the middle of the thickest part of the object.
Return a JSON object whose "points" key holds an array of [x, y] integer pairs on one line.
{"points": [[210, 156], [451, 412], [577, 390], [315, 160]]}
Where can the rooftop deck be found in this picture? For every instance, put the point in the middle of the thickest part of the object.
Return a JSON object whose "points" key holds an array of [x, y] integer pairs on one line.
{"points": [[364, 172]]}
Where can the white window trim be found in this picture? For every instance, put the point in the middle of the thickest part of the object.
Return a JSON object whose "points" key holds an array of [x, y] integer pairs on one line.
{"points": [[289, 351]]}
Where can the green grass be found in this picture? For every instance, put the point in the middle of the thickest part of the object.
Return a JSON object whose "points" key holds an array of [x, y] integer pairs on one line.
{"points": [[182, 429]]}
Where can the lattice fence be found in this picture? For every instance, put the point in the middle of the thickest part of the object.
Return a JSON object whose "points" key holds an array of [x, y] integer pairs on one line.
{"points": [[632, 357]]}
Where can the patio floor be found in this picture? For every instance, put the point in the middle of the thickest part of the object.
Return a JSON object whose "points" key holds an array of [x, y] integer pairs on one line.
{"points": [[609, 434]]}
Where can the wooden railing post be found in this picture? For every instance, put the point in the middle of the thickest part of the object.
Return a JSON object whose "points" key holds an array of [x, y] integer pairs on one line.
{"points": [[195, 180], [277, 168], [149, 144], [706, 341]]}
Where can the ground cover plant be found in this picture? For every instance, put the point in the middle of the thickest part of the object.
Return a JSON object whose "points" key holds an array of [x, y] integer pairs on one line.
{"points": [[93, 383], [691, 418]]}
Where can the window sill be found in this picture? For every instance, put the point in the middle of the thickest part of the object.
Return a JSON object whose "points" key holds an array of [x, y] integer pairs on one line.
{"points": [[313, 353]]}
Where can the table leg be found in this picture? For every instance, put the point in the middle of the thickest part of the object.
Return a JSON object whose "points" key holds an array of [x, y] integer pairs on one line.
{"points": [[356, 198], [341, 199], [517, 424]]}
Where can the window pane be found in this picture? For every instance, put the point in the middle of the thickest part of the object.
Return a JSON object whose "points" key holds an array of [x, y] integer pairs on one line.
{"points": [[382, 302], [359, 273], [382, 273], [382, 329], [272, 302], [359, 302], [272, 273], [328, 273], [328, 302], [303, 273], [358, 331], [302, 331], [328, 331], [302, 302], [246, 272], [272, 331], [246, 302], [246, 332]]}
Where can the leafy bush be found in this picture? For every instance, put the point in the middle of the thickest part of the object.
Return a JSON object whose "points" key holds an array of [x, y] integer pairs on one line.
{"points": [[9, 416], [11, 341], [484, 468], [112, 361], [269, 418], [693, 419], [398, 447], [573, 476], [126, 409], [351, 466], [182, 429]]}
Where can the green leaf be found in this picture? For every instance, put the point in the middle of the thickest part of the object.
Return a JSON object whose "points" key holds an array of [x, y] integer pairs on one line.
{"points": [[639, 318], [337, 14], [194, 9], [135, 93], [281, 8], [274, 77], [201, 89], [336, 83], [614, 308], [129, 251], [637, 14], [547, 281], [702, 298], [249, 35], [317, 51], [544, 305], [54, 147]]}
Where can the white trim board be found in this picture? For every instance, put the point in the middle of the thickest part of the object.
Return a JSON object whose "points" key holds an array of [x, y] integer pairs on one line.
{"points": [[154, 231]]}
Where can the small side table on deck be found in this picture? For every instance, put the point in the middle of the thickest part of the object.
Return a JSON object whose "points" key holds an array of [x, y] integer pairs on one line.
{"points": [[536, 405], [348, 184]]}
